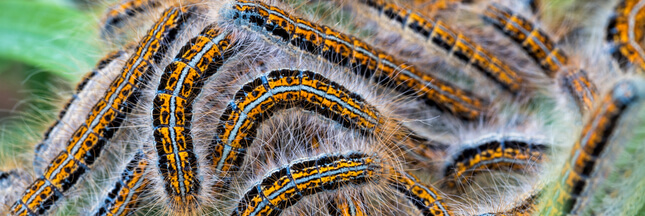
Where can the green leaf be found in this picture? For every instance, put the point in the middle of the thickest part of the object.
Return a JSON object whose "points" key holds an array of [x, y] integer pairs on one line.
{"points": [[48, 36]]}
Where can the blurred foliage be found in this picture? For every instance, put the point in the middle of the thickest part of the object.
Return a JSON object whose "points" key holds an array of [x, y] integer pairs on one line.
{"points": [[46, 35]]}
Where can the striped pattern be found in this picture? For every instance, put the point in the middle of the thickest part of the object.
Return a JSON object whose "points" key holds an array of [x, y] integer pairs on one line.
{"points": [[544, 51], [625, 32], [285, 186], [123, 198], [345, 205], [258, 100], [425, 198], [579, 170], [42, 147], [283, 89], [580, 87], [494, 153], [533, 39], [180, 84], [87, 143], [118, 15], [324, 42], [444, 39]]}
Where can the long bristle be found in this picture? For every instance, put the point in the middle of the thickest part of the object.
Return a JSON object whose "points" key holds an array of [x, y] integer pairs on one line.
{"points": [[372, 107]]}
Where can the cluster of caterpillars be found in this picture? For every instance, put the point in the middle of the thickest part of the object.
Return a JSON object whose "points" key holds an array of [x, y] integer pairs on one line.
{"points": [[179, 166]]}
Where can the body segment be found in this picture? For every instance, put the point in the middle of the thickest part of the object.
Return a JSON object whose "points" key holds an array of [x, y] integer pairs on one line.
{"points": [[284, 186], [337, 48], [103, 121], [172, 114]]}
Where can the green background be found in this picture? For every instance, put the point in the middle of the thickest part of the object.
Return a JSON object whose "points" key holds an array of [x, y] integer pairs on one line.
{"points": [[46, 46]]}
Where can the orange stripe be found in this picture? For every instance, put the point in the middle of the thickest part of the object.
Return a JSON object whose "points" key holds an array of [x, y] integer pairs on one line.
{"points": [[581, 88], [286, 185], [106, 116], [41, 149], [579, 170], [424, 197], [360, 58], [533, 39], [172, 114], [494, 153], [258, 100], [343, 205], [123, 198], [625, 32], [441, 37]]}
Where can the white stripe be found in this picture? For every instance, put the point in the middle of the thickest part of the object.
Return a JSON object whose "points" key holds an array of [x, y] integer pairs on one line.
{"points": [[632, 25], [117, 92], [220, 163], [282, 89]]}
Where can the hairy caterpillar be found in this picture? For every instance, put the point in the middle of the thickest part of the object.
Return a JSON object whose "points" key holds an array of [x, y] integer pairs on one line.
{"points": [[284, 84]]}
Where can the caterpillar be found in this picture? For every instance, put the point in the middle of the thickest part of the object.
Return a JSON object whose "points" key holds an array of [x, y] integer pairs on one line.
{"points": [[124, 196], [544, 51], [242, 107], [285, 186], [492, 153], [366, 61], [579, 171], [172, 117], [347, 206], [625, 33], [88, 140], [42, 148], [439, 35]]}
